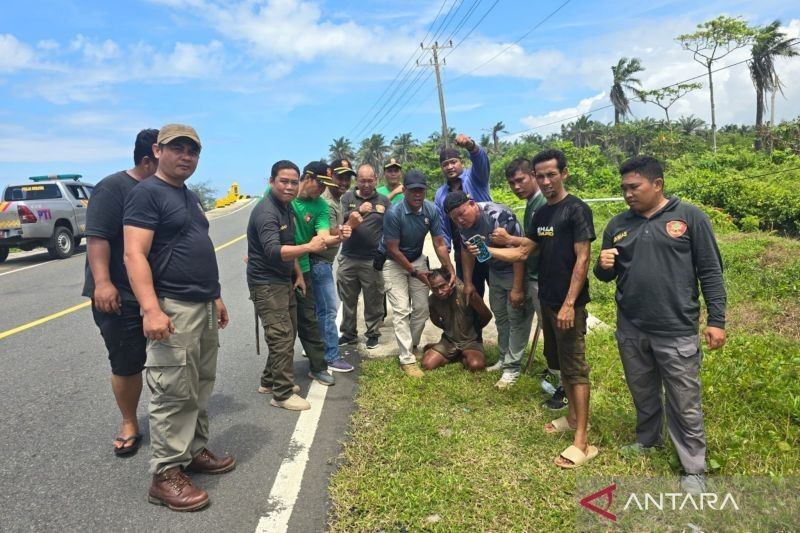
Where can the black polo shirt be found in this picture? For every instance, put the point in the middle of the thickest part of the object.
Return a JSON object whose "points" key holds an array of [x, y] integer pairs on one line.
{"points": [[660, 261], [364, 241], [191, 272], [271, 226], [556, 228]]}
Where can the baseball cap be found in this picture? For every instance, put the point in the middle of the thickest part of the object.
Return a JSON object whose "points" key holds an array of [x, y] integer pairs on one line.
{"points": [[392, 163], [448, 153], [455, 199], [321, 171], [170, 132], [342, 166], [414, 179]]}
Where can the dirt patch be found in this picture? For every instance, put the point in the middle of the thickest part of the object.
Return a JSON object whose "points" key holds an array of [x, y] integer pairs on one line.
{"points": [[756, 317], [778, 254]]}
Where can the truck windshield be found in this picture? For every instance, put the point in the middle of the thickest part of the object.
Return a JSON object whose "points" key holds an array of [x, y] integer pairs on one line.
{"points": [[18, 193]]}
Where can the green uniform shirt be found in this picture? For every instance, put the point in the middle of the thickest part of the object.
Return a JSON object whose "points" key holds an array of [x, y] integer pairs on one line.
{"points": [[311, 215], [533, 205], [384, 190], [335, 219]]}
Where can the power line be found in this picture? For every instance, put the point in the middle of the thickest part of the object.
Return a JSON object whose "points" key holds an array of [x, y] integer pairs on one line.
{"points": [[486, 14]]}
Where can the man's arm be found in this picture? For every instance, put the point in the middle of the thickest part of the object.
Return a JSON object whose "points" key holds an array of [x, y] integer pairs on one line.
{"points": [[157, 325], [604, 267], [467, 268], [566, 315], [394, 192], [480, 161], [517, 295], [708, 266], [484, 313], [442, 252], [106, 297], [511, 255]]}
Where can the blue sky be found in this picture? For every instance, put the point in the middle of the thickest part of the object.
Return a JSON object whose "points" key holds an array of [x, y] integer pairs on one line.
{"points": [[263, 80]]}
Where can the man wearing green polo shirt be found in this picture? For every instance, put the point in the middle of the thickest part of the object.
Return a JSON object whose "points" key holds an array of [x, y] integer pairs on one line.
{"points": [[393, 173]]}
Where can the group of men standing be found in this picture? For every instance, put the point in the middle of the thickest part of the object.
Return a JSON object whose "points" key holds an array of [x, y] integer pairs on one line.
{"points": [[154, 283]]}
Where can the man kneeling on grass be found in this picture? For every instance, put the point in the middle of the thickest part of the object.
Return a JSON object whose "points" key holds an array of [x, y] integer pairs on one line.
{"points": [[460, 319]]}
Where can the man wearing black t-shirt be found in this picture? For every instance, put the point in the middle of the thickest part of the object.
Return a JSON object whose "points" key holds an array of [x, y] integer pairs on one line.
{"points": [[173, 272], [114, 306], [562, 231]]}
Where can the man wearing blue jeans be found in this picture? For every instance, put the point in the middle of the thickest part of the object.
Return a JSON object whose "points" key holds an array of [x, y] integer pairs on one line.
{"points": [[325, 299]]}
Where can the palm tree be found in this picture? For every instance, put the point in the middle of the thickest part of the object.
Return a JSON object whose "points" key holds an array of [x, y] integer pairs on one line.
{"points": [[579, 132], [691, 125], [436, 137], [497, 128], [485, 139], [623, 73], [769, 45], [373, 150], [341, 148], [401, 145]]}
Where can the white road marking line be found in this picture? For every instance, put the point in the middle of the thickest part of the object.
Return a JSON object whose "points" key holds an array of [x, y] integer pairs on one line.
{"points": [[283, 494], [39, 264]]}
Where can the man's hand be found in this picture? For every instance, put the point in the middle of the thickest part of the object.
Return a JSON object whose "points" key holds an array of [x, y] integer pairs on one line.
{"points": [[465, 142], [500, 237], [365, 208], [715, 337], [469, 290], [422, 275], [106, 298], [300, 283], [452, 283], [222, 313], [471, 248], [397, 190], [157, 325], [607, 258], [516, 297], [566, 317], [354, 219], [345, 232], [317, 244]]}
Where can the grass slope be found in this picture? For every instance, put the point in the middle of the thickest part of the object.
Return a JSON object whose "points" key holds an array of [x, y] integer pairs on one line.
{"points": [[451, 453]]}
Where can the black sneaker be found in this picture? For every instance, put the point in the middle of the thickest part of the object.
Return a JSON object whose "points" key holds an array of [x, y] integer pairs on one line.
{"points": [[557, 401], [372, 343], [344, 341]]}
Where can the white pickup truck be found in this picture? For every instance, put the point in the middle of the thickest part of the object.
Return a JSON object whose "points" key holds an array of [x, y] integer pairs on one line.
{"points": [[50, 211]]}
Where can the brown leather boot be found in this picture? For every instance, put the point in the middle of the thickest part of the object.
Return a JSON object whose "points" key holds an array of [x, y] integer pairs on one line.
{"points": [[206, 462], [174, 489]]}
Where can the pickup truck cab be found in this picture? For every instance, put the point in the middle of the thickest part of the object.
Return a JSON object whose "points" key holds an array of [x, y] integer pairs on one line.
{"points": [[50, 211]]}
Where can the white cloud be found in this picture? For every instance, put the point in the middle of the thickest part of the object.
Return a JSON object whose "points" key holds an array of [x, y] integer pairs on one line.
{"points": [[95, 51], [190, 61], [550, 122], [14, 55], [48, 44]]}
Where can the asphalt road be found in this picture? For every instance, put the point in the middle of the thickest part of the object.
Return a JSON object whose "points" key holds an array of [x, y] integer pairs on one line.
{"points": [[58, 416]]}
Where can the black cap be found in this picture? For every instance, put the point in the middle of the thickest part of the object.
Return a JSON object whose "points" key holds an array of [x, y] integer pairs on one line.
{"points": [[342, 167], [414, 179], [455, 199], [392, 163], [320, 171], [448, 153]]}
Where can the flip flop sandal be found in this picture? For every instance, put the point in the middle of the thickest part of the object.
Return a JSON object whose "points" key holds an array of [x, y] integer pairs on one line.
{"points": [[578, 458], [125, 450], [560, 425]]}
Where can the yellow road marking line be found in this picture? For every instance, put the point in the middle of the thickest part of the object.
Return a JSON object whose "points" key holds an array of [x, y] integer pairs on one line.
{"points": [[83, 305]]}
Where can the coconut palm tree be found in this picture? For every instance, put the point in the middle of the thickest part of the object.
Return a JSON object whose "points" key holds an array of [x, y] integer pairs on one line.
{"points": [[770, 44], [497, 128], [401, 144], [691, 125], [623, 73], [373, 150], [341, 148]]}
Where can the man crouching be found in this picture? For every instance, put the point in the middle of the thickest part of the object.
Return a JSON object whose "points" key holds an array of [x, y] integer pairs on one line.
{"points": [[460, 319]]}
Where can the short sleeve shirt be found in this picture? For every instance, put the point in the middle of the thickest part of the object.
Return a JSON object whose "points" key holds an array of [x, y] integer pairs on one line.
{"points": [[336, 219], [402, 224], [493, 216], [384, 190], [556, 229], [534, 204], [104, 220], [191, 274], [311, 215]]}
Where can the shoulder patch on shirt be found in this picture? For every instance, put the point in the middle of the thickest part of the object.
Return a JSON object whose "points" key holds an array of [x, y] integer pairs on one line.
{"points": [[379, 208], [620, 235], [427, 221], [545, 231], [676, 228]]}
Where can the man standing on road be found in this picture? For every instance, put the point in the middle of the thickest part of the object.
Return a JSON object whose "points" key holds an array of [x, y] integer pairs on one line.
{"points": [[475, 182], [658, 251], [324, 287], [356, 273], [522, 183], [460, 318], [393, 173], [173, 272], [563, 232], [272, 259], [405, 273], [513, 310], [114, 307]]}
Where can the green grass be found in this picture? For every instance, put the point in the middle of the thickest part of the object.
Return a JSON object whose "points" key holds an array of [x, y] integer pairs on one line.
{"points": [[451, 453]]}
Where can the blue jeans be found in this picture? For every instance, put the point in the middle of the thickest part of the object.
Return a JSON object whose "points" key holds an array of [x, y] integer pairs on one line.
{"points": [[326, 305]]}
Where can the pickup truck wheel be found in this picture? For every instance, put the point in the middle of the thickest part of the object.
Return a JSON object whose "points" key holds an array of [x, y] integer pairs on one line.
{"points": [[3, 253], [62, 244]]}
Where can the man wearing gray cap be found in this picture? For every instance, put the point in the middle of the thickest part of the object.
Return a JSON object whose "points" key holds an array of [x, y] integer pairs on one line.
{"points": [[173, 272], [405, 274]]}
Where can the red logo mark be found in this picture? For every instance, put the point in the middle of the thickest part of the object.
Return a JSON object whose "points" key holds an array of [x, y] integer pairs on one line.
{"points": [[608, 492], [676, 228]]}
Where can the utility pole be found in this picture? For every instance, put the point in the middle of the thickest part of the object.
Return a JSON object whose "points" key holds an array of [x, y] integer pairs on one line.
{"points": [[434, 62]]}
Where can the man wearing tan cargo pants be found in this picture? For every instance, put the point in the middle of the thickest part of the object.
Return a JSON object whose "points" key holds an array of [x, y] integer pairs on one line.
{"points": [[173, 272]]}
